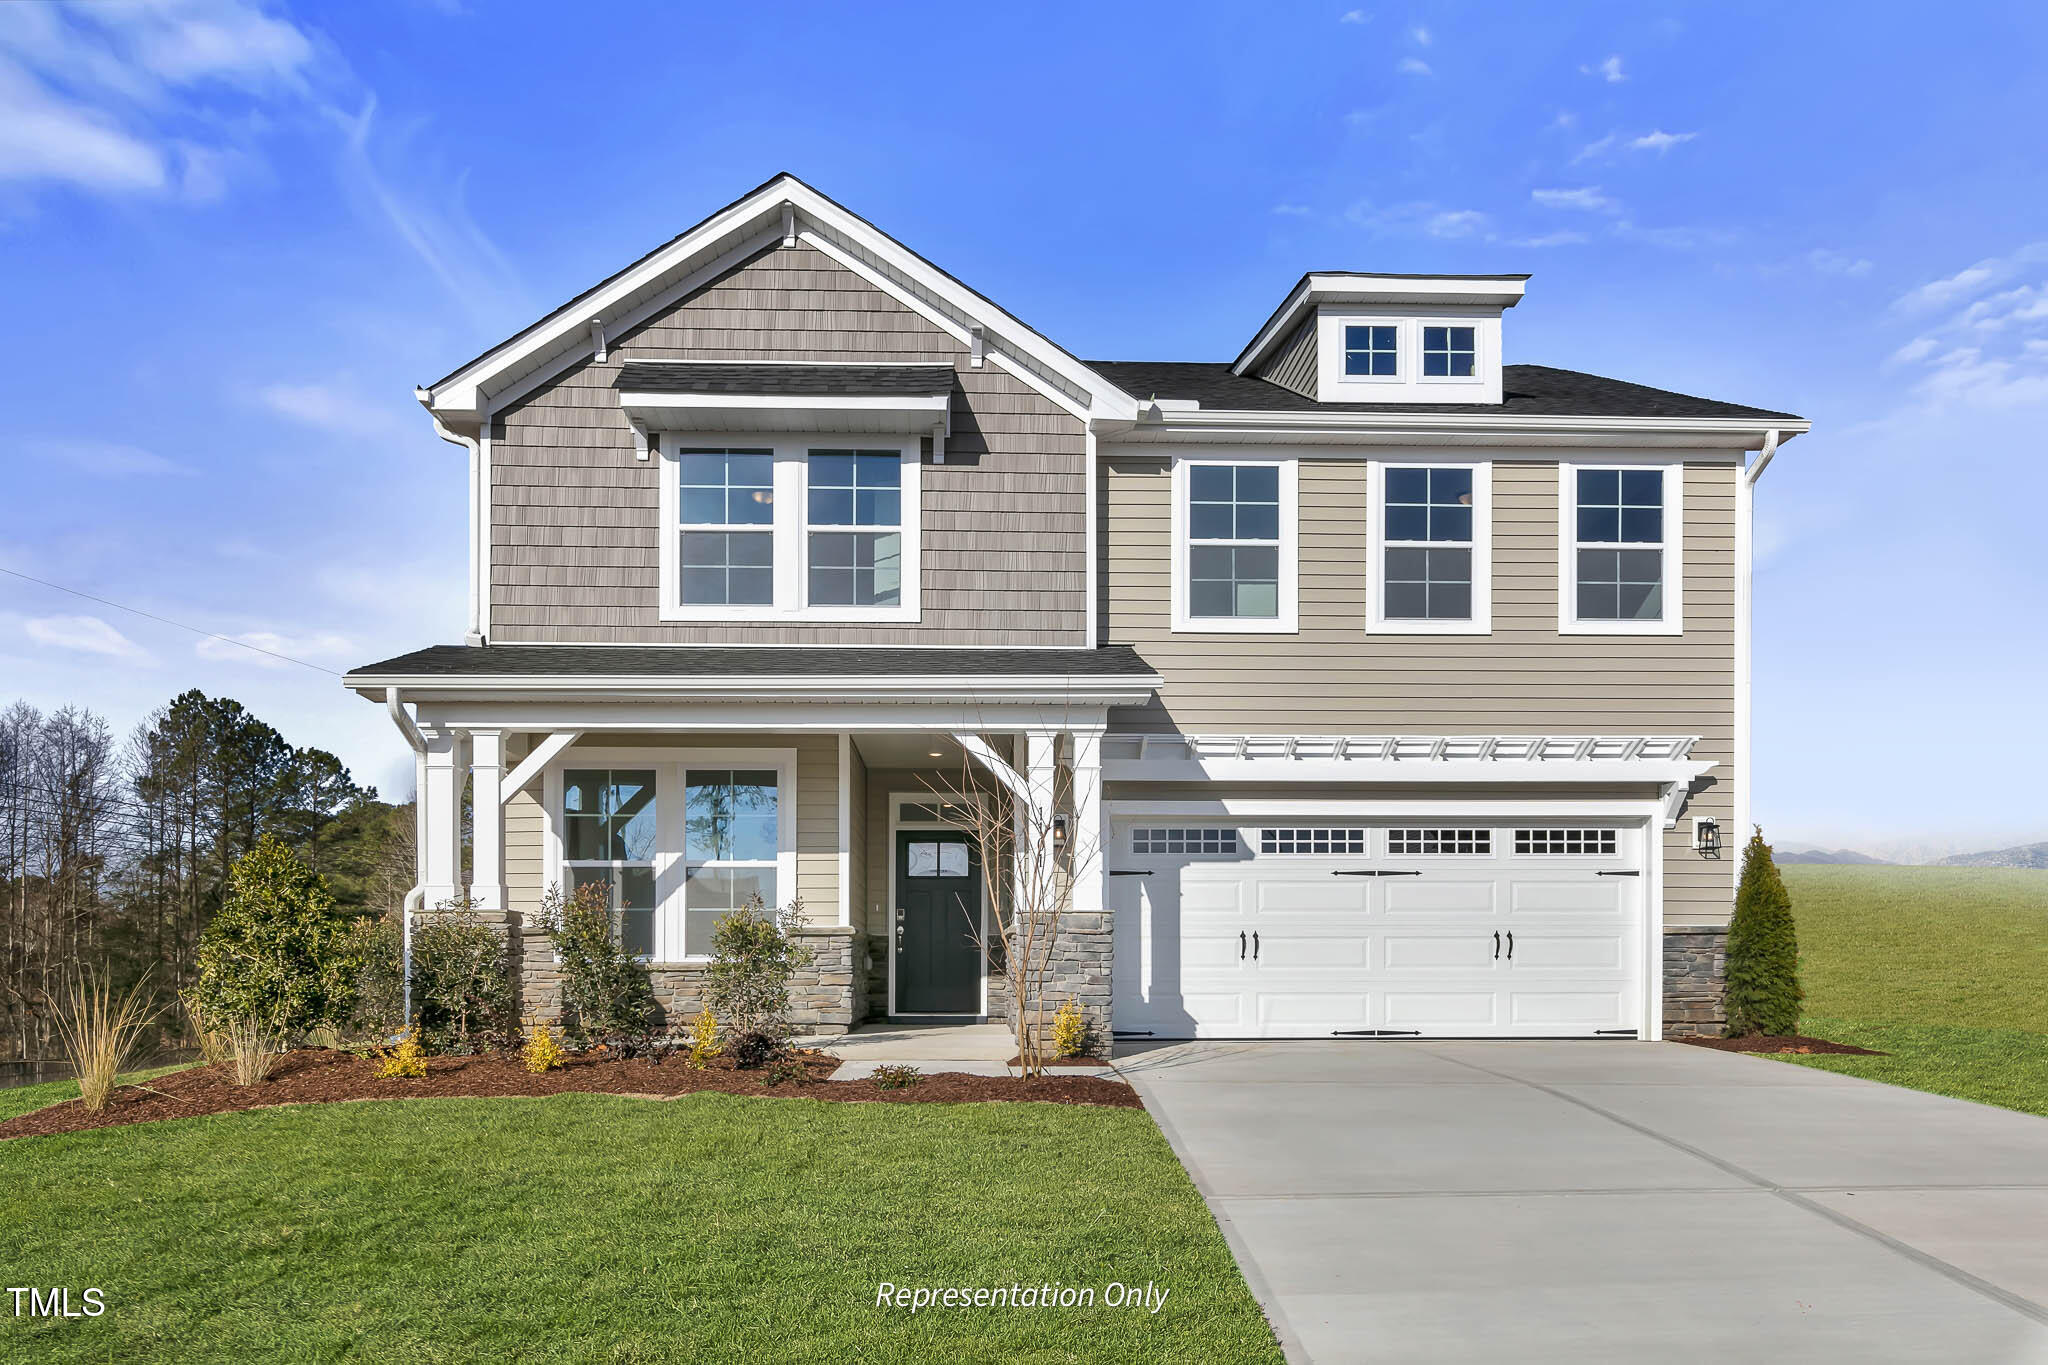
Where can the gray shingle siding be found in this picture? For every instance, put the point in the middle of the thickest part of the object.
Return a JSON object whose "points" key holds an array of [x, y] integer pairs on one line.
{"points": [[575, 517]]}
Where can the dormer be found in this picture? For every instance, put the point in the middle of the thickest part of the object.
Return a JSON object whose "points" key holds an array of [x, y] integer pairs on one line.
{"points": [[1351, 337]]}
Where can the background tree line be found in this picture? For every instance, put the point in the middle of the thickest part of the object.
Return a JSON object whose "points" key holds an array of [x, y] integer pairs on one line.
{"points": [[115, 855]]}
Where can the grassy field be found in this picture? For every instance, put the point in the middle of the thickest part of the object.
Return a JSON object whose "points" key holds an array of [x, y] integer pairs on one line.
{"points": [[1946, 968], [597, 1228], [20, 1099]]}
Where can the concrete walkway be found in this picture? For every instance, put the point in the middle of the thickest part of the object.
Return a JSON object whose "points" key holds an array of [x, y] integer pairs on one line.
{"points": [[1584, 1202]]}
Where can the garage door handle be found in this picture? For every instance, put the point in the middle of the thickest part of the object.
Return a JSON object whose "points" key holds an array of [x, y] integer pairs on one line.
{"points": [[1240, 945], [1371, 872], [1632, 872], [1496, 945], [1255, 945], [1511, 945]]}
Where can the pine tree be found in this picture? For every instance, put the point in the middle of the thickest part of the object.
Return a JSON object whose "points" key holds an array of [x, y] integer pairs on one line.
{"points": [[1763, 950]]}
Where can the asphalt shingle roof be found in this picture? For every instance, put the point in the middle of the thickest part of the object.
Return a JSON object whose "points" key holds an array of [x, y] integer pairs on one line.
{"points": [[1526, 391], [709, 661], [655, 376]]}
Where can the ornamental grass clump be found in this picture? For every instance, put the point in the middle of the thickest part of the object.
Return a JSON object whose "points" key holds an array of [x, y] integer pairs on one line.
{"points": [[252, 1048], [100, 1033], [542, 1052], [1763, 950]]}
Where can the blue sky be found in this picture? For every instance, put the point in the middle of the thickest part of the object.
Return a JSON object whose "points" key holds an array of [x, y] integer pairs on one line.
{"points": [[233, 237]]}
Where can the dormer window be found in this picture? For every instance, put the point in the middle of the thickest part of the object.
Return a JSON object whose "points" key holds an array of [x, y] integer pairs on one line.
{"points": [[1373, 351], [1449, 352]]}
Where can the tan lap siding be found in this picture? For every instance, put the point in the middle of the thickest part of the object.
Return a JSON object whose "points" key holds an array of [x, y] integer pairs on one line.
{"points": [[817, 813], [575, 531], [1524, 678]]}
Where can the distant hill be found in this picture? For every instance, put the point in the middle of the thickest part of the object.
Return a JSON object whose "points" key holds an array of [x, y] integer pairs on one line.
{"points": [[1827, 855], [2024, 855]]}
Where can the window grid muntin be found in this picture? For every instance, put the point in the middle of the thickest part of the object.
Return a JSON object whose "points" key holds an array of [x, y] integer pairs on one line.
{"points": [[854, 542], [729, 559], [1450, 352], [1199, 842], [1566, 841], [1371, 351], [1620, 538], [629, 847], [1429, 539], [1246, 560], [1312, 839], [1449, 842]]}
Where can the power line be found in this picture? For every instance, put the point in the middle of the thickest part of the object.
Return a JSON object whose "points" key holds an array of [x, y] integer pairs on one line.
{"points": [[152, 616]]}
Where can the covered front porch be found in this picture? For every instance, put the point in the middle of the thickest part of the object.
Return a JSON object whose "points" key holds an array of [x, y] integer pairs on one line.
{"points": [[867, 813]]}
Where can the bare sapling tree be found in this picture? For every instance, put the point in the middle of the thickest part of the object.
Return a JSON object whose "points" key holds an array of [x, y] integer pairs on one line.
{"points": [[1029, 852]]}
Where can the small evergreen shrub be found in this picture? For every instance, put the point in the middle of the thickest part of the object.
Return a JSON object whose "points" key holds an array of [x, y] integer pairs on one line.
{"points": [[277, 952], [542, 1052], [704, 1043], [890, 1076], [755, 957], [606, 993], [754, 1049], [463, 995], [407, 1061], [1763, 950], [1069, 1031], [379, 944]]}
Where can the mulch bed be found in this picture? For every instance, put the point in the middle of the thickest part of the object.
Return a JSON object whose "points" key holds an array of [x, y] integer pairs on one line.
{"points": [[320, 1076], [1762, 1042]]}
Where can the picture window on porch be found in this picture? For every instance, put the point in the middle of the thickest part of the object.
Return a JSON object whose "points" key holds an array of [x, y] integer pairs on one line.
{"points": [[731, 823], [608, 824]]}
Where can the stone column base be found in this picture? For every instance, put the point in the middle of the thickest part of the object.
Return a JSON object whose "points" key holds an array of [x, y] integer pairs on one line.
{"points": [[1695, 973]]}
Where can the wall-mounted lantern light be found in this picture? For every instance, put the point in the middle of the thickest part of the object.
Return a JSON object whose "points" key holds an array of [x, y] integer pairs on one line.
{"points": [[1706, 837], [1059, 831]]}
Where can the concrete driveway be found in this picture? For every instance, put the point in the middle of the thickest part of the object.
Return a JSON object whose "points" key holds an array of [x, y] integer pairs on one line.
{"points": [[1608, 1202]]}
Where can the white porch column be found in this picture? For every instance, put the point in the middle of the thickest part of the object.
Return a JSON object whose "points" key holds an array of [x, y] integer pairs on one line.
{"points": [[441, 853], [1089, 840], [487, 820], [1037, 763]]}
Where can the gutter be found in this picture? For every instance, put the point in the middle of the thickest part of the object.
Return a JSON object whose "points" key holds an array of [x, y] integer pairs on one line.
{"points": [[1763, 460], [411, 906], [474, 634], [1717, 430]]}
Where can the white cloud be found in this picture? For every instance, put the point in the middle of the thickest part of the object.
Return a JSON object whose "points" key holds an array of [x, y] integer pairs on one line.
{"points": [[1293, 210], [84, 635], [1596, 148], [2009, 308], [1564, 238], [1677, 238], [1354, 16], [183, 42], [1565, 119], [43, 137], [1421, 218], [308, 647], [1919, 348], [1609, 70], [1420, 36], [1660, 141], [327, 407], [1413, 66], [110, 459], [1830, 262], [1588, 197]]}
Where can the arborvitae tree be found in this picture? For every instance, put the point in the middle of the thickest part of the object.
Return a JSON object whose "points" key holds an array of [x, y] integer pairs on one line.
{"points": [[1763, 950]]}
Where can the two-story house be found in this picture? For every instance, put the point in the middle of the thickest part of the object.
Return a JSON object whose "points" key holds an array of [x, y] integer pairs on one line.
{"points": [[1392, 689]]}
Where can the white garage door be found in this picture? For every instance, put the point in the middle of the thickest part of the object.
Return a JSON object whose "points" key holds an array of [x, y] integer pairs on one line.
{"points": [[1311, 930]]}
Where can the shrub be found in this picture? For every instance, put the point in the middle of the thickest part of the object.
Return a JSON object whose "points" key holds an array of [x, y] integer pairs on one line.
{"points": [[251, 1048], [704, 1039], [1763, 949], [605, 991], [787, 1068], [463, 994], [277, 952], [896, 1077], [755, 1048], [542, 1052], [100, 1034], [407, 1061], [1069, 1031], [379, 944], [754, 958]]}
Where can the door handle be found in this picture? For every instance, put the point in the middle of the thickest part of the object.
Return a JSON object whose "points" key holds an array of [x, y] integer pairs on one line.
{"points": [[1511, 945], [1240, 945], [1496, 945], [1255, 945]]}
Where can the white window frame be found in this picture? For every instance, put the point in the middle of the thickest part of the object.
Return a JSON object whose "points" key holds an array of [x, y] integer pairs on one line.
{"points": [[1673, 546], [791, 527], [1287, 619], [1401, 349], [1377, 622], [671, 769], [1479, 357]]}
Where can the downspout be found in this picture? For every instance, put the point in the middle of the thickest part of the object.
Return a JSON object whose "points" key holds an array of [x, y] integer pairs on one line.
{"points": [[1756, 471], [404, 721], [474, 634]]}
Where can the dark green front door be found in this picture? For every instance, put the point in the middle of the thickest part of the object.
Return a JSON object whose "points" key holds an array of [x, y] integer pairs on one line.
{"points": [[938, 901]]}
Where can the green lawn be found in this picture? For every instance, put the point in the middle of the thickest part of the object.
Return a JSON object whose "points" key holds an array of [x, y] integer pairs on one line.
{"points": [[20, 1099], [1946, 968], [595, 1228]]}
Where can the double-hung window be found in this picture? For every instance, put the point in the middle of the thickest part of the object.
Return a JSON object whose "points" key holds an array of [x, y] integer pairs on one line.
{"points": [[1621, 570], [856, 528], [1431, 549], [790, 529], [1234, 553], [609, 841]]}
